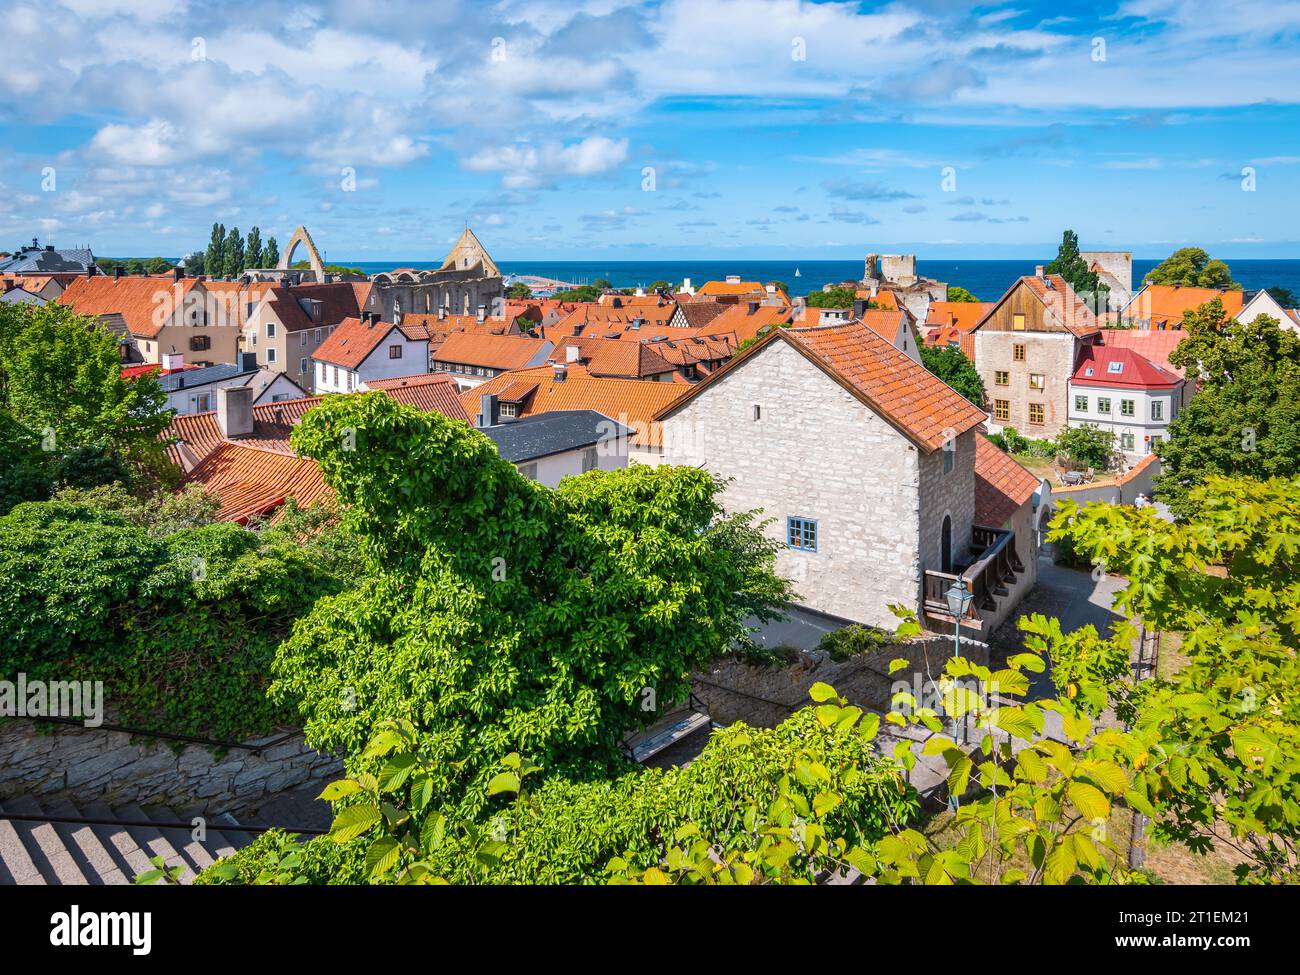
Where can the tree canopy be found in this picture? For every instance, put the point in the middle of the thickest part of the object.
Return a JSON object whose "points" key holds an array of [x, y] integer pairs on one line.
{"points": [[837, 297], [1070, 264], [957, 293], [1245, 418], [500, 615], [1192, 267], [952, 366], [68, 408]]}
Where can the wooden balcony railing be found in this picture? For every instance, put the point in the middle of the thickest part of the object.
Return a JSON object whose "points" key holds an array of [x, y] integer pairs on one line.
{"points": [[994, 568]]}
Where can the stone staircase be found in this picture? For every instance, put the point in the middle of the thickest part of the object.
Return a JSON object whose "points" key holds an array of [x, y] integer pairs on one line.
{"points": [[34, 852]]}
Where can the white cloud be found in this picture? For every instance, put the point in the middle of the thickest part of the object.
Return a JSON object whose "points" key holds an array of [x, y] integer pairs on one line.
{"points": [[525, 165]]}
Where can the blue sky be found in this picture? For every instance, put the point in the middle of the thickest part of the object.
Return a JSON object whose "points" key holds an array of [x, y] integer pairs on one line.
{"points": [[628, 130]]}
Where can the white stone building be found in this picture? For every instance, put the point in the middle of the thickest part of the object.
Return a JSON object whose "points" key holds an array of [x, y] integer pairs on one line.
{"points": [[867, 465]]}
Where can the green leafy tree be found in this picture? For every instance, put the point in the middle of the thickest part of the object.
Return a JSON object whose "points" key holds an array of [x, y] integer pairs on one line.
{"points": [[232, 254], [958, 293], [272, 253], [194, 264], [952, 366], [214, 258], [660, 287], [500, 615], [837, 297], [253, 249], [1087, 446], [519, 291], [1284, 297], [1245, 417], [1070, 265], [1192, 267], [61, 379]]}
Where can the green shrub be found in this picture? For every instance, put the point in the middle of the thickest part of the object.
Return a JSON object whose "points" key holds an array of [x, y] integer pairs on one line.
{"points": [[853, 640]]}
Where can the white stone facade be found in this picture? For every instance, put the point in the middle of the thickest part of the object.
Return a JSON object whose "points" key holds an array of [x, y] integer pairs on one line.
{"points": [[814, 451]]}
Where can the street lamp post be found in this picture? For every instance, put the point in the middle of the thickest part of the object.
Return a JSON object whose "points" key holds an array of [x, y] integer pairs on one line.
{"points": [[959, 599]]}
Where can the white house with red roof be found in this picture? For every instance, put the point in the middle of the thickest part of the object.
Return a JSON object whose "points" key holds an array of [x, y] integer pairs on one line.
{"points": [[1117, 389], [361, 350], [878, 484]]}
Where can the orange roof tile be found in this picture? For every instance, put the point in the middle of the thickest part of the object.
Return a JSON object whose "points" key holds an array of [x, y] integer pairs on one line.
{"points": [[1166, 304], [714, 288], [251, 482], [1001, 484], [886, 380], [352, 341], [624, 359], [489, 351], [886, 324], [631, 402], [145, 302]]}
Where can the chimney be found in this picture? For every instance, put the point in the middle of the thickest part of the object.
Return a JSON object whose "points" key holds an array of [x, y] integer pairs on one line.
{"points": [[489, 414], [560, 371], [442, 313], [572, 353], [177, 273], [753, 307], [117, 273], [577, 329], [859, 307], [172, 361], [482, 314], [733, 279], [640, 292], [248, 361], [1038, 270], [686, 286], [235, 411]]}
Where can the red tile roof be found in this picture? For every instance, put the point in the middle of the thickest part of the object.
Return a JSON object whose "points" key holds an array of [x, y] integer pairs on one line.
{"points": [[352, 341], [251, 482], [1153, 344], [632, 402], [1001, 484], [1165, 304], [338, 300], [616, 358], [886, 380], [145, 302], [489, 351], [1097, 365], [1058, 299], [884, 323]]}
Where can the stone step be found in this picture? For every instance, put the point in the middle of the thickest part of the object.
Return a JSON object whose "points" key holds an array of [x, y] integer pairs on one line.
{"points": [[196, 856], [119, 843], [96, 861], [44, 845], [154, 843]]}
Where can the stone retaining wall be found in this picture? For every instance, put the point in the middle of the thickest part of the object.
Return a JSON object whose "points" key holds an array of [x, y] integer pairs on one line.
{"points": [[90, 764]]}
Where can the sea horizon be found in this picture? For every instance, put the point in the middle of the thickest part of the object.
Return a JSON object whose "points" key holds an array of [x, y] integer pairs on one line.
{"points": [[986, 279]]}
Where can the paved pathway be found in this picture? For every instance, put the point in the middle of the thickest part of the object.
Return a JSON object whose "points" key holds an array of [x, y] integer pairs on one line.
{"points": [[1070, 595]]}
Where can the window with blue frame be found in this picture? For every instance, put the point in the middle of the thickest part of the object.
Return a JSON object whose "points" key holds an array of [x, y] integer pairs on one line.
{"points": [[801, 533]]}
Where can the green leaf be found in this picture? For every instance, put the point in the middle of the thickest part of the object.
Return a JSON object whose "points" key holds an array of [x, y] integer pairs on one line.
{"points": [[382, 857], [503, 782], [353, 821], [821, 692], [1089, 800]]}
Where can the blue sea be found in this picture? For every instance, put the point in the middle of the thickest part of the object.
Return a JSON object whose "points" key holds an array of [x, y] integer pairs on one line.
{"points": [[987, 280]]}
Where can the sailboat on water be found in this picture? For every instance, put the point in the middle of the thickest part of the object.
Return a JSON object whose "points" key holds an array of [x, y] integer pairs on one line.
{"points": [[797, 274]]}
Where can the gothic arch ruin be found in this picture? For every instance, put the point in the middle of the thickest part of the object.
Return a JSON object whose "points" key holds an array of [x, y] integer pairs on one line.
{"points": [[300, 236]]}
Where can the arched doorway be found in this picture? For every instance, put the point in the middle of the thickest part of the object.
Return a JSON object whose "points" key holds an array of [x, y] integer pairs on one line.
{"points": [[945, 545]]}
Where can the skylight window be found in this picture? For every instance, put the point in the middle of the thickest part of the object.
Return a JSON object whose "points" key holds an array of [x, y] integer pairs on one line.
{"points": [[1114, 367]]}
